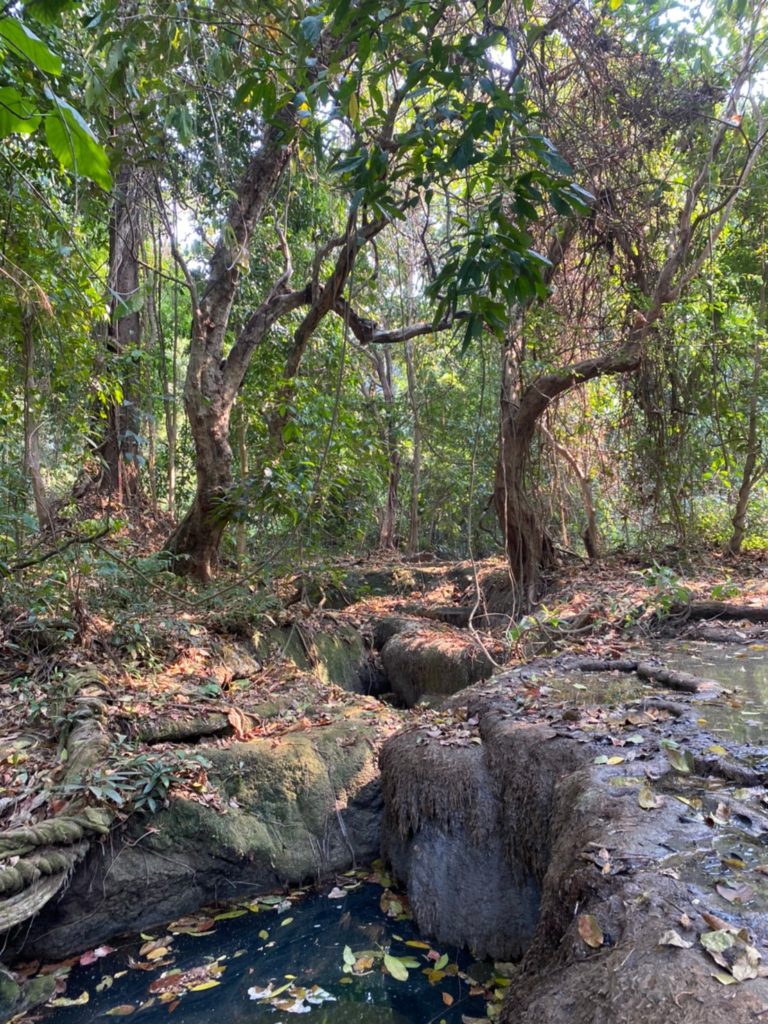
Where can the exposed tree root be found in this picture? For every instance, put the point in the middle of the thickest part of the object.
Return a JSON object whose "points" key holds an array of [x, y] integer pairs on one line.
{"points": [[36, 861], [181, 730], [719, 610], [652, 671]]}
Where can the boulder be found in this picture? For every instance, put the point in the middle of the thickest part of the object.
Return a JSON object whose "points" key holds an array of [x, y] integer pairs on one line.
{"points": [[430, 660], [288, 809]]}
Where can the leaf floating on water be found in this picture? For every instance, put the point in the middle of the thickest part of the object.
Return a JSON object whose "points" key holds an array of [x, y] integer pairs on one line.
{"points": [[227, 915], [156, 948], [158, 954], [211, 983], [590, 931], [316, 996], [442, 963], [434, 976], [106, 982], [285, 921], [395, 967], [125, 1010], [81, 1000], [390, 904], [672, 938], [447, 999], [337, 893]]}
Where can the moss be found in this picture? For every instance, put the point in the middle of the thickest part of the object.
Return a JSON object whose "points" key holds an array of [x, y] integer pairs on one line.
{"points": [[15, 998], [336, 657], [279, 796]]}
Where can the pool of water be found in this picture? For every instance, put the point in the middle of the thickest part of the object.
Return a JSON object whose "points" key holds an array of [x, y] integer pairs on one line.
{"points": [[741, 714], [333, 959]]}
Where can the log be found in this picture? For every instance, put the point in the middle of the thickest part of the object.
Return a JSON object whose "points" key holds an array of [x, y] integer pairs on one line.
{"points": [[719, 610]]}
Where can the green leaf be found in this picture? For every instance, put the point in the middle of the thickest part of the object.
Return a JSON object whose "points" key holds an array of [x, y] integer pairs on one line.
{"points": [[396, 967], [311, 28], [74, 145], [21, 41], [17, 114]]}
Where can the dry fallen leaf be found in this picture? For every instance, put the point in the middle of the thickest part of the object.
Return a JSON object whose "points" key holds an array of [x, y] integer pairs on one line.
{"points": [[590, 931], [672, 938]]}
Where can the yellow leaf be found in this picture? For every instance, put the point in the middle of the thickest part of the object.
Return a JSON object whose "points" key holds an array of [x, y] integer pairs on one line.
{"points": [[590, 931], [81, 1000], [158, 954], [354, 107], [646, 798], [204, 985]]}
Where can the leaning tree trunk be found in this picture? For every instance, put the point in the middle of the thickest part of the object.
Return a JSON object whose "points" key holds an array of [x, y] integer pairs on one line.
{"points": [[529, 547]]}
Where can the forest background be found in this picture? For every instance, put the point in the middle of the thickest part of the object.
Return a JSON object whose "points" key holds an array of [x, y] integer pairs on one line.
{"points": [[282, 281]]}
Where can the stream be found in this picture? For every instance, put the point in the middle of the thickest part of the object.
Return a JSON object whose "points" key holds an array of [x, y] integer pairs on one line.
{"points": [[279, 956]]}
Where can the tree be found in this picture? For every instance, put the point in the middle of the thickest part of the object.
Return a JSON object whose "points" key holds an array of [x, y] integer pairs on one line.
{"points": [[417, 100], [658, 270]]}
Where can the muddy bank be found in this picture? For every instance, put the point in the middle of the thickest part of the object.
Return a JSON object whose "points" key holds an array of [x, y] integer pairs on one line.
{"points": [[600, 847]]}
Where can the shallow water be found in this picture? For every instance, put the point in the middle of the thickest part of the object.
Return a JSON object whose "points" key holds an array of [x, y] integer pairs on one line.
{"points": [[296, 945], [741, 715]]}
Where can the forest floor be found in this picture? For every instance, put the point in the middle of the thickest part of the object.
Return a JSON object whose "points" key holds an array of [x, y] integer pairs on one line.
{"points": [[156, 674], [160, 658]]}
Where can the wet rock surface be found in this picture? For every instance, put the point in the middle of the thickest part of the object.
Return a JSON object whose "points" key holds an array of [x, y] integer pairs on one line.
{"points": [[633, 876]]}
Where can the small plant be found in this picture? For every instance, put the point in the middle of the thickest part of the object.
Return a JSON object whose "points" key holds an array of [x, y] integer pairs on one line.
{"points": [[667, 590], [725, 590]]}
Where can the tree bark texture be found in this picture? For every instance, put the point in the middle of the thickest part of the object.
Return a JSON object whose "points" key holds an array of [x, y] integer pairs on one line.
{"points": [[118, 450]]}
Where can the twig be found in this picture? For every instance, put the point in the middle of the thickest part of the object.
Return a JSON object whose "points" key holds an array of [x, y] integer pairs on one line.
{"points": [[14, 567]]}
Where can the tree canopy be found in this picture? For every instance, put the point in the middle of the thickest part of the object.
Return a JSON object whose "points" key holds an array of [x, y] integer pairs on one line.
{"points": [[457, 276]]}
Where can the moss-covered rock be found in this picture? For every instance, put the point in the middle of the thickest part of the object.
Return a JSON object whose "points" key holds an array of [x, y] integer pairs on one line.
{"points": [[428, 660], [17, 997], [336, 655], [283, 809]]}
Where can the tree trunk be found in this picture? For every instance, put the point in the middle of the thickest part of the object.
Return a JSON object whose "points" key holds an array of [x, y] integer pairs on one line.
{"points": [[44, 507], [529, 547], [119, 447], [195, 542], [413, 398], [591, 535], [242, 451], [751, 472], [169, 384]]}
